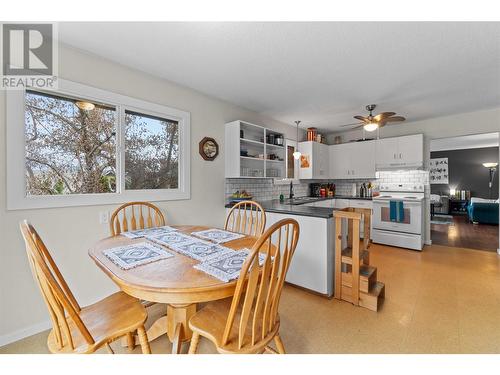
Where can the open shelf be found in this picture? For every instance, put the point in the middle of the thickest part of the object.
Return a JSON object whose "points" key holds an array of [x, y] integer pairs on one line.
{"points": [[245, 141], [251, 141]]}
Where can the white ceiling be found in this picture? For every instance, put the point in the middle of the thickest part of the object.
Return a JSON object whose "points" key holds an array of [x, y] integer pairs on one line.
{"points": [[320, 73], [465, 142]]}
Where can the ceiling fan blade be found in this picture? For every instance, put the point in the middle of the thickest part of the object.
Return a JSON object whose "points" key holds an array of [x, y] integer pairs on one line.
{"points": [[361, 118], [355, 123], [395, 119], [383, 115]]}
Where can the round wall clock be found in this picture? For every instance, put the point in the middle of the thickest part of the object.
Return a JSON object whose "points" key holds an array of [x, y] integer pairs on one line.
{"points": [[209, 149]]}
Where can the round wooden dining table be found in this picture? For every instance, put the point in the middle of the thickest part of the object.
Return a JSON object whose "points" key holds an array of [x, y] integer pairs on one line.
{"points": [[173, 281]]}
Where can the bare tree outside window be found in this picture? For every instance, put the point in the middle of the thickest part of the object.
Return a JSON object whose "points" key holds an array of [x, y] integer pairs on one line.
{"points": [[151, 152], [69, 150]]}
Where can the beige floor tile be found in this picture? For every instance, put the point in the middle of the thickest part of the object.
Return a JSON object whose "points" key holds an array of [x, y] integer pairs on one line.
{"points": [[441, 300]]}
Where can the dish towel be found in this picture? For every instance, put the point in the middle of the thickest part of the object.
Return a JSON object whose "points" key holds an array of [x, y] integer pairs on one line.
{"points": [[393, 210], [400, 212]]}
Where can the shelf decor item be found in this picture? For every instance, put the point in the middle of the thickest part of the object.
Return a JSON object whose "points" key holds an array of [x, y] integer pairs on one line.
{"points": [[208, 148]]}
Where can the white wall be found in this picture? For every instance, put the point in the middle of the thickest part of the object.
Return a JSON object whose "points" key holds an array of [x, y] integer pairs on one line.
{"points": [[70, 232], [486, 121]]}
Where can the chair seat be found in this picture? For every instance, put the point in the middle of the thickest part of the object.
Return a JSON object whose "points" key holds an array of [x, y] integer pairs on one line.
{"points": [[210, 322], [106, 320]]}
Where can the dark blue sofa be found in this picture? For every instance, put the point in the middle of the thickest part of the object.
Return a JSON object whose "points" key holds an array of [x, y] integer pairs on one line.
{"points": [[483, 212]]}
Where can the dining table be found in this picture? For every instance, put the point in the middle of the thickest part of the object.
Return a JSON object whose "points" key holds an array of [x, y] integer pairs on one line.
{"points": [[173, 281]]}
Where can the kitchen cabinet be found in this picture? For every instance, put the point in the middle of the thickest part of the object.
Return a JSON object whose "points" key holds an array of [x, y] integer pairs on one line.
{"points": [[341, 203], [253, 151], [352, 160], [400, 152], [314, 163]]}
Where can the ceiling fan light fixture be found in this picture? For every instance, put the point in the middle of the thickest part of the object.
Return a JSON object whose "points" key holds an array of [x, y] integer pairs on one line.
{"points": [[371, 126]]}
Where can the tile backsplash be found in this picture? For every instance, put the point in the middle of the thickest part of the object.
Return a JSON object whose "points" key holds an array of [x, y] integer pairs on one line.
{"points": [[410, 176], [263, 188], [266, 189]]}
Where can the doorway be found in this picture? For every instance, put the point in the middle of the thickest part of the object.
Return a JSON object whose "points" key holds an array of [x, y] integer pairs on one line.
{"points": [[464, 191]]}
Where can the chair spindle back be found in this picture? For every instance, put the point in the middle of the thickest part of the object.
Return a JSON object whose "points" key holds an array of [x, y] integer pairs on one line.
{"points": [[135, 215], [62, 305], [260, 284], [246, 217]]}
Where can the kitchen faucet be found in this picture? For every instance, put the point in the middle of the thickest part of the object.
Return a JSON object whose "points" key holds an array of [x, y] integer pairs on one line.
{"points": [[291, 190]]}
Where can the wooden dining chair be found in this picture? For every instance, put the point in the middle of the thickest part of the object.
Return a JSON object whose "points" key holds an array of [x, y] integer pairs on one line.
{"points": [[135, 215], [78, 329], [246, 217], [249, 321]]}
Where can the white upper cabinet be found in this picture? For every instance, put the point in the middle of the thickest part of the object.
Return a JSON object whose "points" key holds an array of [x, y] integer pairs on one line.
{"points": [[314, 163], [400, 152], [363, 159], [352, 160]]}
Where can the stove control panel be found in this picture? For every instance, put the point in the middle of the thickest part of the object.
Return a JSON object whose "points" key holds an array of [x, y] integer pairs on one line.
{"points": [[403, 187]]}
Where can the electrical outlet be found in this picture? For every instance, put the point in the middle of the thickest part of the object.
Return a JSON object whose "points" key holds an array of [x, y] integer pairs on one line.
{"points": [[104, 217]]}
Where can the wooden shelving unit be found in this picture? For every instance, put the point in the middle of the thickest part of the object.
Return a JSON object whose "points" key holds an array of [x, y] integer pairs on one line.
{"points": [[355, 280]]}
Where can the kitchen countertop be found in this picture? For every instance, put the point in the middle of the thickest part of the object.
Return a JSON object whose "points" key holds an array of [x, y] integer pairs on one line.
{"points": [[344, 197], [300, 210]]}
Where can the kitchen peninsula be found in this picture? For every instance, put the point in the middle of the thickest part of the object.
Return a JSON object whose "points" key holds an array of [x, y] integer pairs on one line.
{"points": [[312, 265]]}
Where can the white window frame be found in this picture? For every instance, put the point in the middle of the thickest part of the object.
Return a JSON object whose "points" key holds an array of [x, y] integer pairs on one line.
{"points": [[16, 169]]}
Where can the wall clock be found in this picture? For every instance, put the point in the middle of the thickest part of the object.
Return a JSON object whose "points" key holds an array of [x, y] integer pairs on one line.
{"points": [[209, 149]]}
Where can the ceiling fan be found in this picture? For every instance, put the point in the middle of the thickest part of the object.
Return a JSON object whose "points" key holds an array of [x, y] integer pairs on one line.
{"points": [[371, 123]]}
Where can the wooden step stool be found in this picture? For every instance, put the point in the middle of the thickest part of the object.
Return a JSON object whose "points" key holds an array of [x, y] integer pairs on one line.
{"points": [[355, 280]]}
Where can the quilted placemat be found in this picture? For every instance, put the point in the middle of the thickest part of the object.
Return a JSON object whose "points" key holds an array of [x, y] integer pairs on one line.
{"points": [[201, 250], [131, 256], [218, 235], [171, 239], [139, 233], [226, 267]]}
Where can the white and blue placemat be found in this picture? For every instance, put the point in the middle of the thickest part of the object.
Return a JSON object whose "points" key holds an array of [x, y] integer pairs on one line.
{"points": [[171, 239], [131, 256], [139, 233], [218, 235], [201, 250], [227, 267]]}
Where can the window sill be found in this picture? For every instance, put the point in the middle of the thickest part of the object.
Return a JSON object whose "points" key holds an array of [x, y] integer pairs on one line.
{"points": [[57, 201]]}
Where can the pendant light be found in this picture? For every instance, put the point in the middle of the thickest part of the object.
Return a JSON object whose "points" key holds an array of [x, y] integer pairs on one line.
{"points": [[296, 154]]}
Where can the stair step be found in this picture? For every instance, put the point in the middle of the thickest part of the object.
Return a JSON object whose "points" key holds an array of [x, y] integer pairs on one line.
{"points": [[370, 300], [364, 256], [367, 277]]}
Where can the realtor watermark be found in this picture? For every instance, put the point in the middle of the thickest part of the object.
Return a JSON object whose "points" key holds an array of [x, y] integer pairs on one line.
{"points": [[29, 56]]}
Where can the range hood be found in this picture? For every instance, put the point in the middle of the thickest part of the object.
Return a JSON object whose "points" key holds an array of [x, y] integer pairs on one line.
{"points": [[398, 166]]}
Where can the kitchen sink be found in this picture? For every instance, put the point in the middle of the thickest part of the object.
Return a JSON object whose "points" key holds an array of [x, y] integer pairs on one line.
{"points": [[301, 200]]}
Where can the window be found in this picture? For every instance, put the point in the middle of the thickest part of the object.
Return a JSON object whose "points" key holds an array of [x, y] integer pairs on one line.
{"points": [[82, 146], [69, 150], [151, 152]]}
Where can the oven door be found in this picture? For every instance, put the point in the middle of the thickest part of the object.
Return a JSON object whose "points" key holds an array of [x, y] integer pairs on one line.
{"points": [[412, 222]]}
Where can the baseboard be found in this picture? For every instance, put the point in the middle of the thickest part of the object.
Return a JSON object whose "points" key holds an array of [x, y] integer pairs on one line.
{"points": [[25, 332], [498, 251], [428, 242]]}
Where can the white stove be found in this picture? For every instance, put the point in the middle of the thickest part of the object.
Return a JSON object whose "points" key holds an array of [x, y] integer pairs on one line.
{"points": [[405, 229]]}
